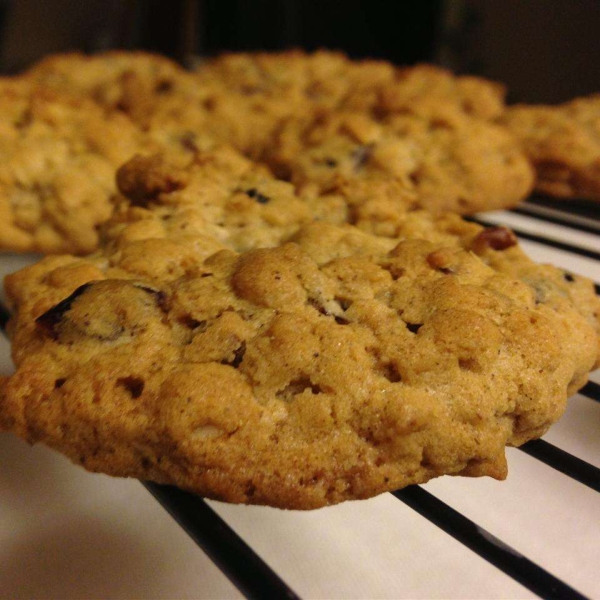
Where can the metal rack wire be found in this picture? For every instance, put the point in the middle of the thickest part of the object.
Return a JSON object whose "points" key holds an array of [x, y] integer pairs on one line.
{"points": [[533, 222]]}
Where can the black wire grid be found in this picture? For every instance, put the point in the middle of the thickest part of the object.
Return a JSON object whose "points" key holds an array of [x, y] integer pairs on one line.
{"points": [[255, 579]]}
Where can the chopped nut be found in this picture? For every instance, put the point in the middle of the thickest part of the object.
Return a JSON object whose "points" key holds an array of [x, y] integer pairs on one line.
{"points": [[440, 260], [496, 238]]}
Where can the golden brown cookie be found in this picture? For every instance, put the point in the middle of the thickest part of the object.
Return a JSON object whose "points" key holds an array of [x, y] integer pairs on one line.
{"points": [[58, 156], [68, 124], [274, 87], [225, 196], [475, 96], [563, 143], [156, 94], [446, 160], [94, 112], [286, 82], [333, 365], [118, 80]]}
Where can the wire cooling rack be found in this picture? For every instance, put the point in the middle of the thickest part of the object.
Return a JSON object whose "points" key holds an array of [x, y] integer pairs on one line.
{"points": [[537, 534]]}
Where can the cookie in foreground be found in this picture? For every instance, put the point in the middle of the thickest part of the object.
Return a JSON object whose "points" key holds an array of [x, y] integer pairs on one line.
{"points": [[334, 366], [563, 144]]}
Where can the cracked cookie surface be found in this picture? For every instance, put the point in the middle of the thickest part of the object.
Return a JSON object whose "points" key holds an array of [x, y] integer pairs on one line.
{"points": [[335, 364]]}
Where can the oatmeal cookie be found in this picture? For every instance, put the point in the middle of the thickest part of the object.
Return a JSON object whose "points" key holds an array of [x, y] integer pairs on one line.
{"points": [[61, 150], [170, 104], [333, 365], [274, 87], [75, 118], [223, 195], [58, 159], [563, 143], [218, 195], [475, 96], [447, 160], [126, 81], [286, 83]]}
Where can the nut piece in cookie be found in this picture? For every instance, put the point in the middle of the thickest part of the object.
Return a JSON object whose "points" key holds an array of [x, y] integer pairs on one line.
{"points": [[497, 238]]}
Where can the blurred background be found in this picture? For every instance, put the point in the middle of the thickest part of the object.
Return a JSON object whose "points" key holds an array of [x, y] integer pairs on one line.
{"points": [[544, 50]]}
